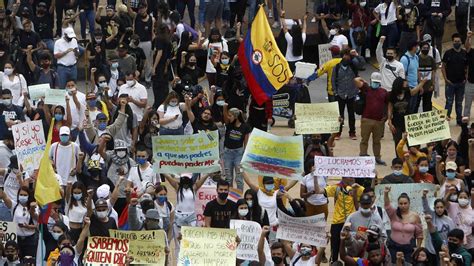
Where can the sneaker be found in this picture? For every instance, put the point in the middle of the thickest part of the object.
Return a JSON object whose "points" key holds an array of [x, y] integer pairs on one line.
{"points": [[367, 53], [276, 25], [352, 136], [338, 136], [270, 15], [380, 162]]}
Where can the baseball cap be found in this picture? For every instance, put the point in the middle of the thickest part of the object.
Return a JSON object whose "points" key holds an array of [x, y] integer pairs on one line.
{"points": [[268, 180], [365, 199], [101, 116], [152, 214], [112, 7], [103, 191], [69, 32], [376, 77], [64, 131], [427, 38], [120, 145], [146, 197], [101, 203], [451, 166], [373, 230], [41, 4]]}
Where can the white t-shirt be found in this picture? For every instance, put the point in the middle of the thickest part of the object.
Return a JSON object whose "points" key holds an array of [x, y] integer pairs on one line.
{"points": [[301, 262], [172, 111], [211, 47], [61, 46], [179, 30], [147, 175], [77, 116], [64, 158], [289, 48], [308, 182], [187, 204], [17, 86], [11, 185], [21, 215], [339, 40], [391, 16], [137, 92], [269, 203]]}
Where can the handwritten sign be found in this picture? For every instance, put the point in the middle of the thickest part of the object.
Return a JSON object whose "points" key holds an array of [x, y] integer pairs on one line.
{"points": [[427, 127], [270, 155], [324, 53], [317, 118], [198, 153], [203, 196], [29, 143], [308, 230], [55, 97], [106, 250], [249, 233], [38, 91], [363, 166], [8, 230], [146, 247], [207, 246]]}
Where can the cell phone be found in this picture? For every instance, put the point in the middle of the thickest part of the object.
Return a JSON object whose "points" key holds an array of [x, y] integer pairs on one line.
{"points": [[282, 188]]}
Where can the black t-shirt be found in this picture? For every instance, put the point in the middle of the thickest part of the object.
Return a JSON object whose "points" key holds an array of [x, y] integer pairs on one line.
{"points": [[86, 4], [192, 74], [470, 59], [235, 136], [44, 26], [139, 56], [455, 65], [410, 15], [29, 38], [400, 109], [165, 47], [199, 126], [99, 57], [107, 32], [99, 228], [220, 214]]}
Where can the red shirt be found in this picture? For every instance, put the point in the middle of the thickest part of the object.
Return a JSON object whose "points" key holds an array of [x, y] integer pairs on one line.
{"points": [[419, 178], [376, 102], [359, 16]]}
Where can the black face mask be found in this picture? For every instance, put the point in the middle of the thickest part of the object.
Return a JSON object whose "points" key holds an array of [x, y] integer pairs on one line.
{"points": [[345, 62], [68, 39], [425, 51], [452, 247], [316, 141], [389, 57], [223, 195], [456, 45], [277, 260], [11, 257], [372, 238]]}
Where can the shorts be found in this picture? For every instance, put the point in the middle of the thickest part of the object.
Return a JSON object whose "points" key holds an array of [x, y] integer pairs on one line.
{"points": [[214, 9]]}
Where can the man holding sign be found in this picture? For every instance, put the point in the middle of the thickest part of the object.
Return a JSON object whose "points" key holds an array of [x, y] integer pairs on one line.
{"points": [[10, 114]]}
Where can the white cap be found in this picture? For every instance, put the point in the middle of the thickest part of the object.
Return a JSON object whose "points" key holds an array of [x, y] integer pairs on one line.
{"points": [[69, 32], [376, 77], [64, 131], [103, 191]]}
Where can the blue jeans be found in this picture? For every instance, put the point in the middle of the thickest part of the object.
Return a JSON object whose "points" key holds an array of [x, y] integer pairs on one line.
{"points": [[455, 92], [169, 131], [66, 73], [89, 17], [49, 44], [232, 158], [252, 10], [190, 4], [202, 11], [354, 45]]}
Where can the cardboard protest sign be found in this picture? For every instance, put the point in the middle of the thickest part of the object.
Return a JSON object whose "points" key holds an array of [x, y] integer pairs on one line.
{"points": [[317, 118], [307, 230], [198, 153], [249, 233], [207, 246], [324, 53], [106, 250], [270, 155], [203, 196], [414, 191], [362, 167], [294, 9], [9, 231], [55, 97], [304, 70], [427, 127], [29, 144], [146, 247], [38, 91]]}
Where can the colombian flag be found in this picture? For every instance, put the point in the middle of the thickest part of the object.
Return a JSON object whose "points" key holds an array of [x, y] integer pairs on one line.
{"points": [[264, 66]]}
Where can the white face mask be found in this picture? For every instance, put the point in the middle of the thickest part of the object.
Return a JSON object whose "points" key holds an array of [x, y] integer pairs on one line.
{"points": [[243, 212], [400, 97], [121, 154], [463, 202], [102, 214], [220, 103], [363, 4], [56, 235], [8, 71], [102, 84], [130, 83], [332, 32], [250, 203], [364, 211]]}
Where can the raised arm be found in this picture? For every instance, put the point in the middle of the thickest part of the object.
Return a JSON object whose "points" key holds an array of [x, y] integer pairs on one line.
{"points": [[261, 245], [115, 192], [172, 181], [283, 22], [200, 182], [84, 234], [467, 44], [379, 50], [386, 197], [249, 182]]}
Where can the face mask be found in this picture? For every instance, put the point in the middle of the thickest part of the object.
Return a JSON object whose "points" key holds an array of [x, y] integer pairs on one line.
{"points": [[389, 57], [102, 126], [23, 199], [452, 247], [220, 103], [114, 65], [66, 259], [162, 199], [121, 154], [58, 117], [277, 260], [305, 251], [130, 83], [45, 65], [102, 214], [451, 175], [425, 51], [141, 161], [64, 139], [423, 169], [463, 202], [269, 187], [69, 91], [243, 212], [97, 40], [374, 85], [155, 123], [372, 238], [7, 102], [67, 39], [56, 235], [172, 104], [8, 71], [192, 64], [77, 196], [103, 84], [316, 141], [250, 203], [397, 172], [332, 32], [225, 61], [457, 46], [453, 198], [364, 211], [362, 4], [223, 195], [345, 62], [92, 103], [11, 257], [400, 97]]}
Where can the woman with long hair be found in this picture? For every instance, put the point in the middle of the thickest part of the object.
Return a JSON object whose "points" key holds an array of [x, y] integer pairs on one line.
{"points": [[25, 214], [295, 39], [215, 45], [76, 209], [171, 114], [462, 214], [15, 82], [257, 213], [60, 118]]}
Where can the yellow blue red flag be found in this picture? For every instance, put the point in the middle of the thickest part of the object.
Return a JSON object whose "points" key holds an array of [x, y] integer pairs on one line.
{"points": [[264, 66]]}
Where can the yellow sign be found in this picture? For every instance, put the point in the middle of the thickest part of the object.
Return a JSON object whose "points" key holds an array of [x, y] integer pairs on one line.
{"points": [[207, 246], [317, 118], [146, 247], [427, 127]]}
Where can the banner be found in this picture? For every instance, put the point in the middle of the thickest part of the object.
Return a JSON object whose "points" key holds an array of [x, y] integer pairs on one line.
{"points": [[204, 195], [277, 156], [249, 233], [414, 191], [38, 91], [362, 167], [307, 230], [198, 153], [427, 127], [146, 247], [106, 250], [207, 246], [317, 118], [55, 97], [29, 143], [8, 230], [324, 53]]}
